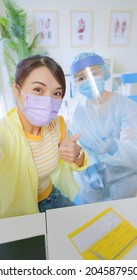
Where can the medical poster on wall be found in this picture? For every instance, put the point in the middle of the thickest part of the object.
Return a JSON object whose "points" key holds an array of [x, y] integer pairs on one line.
{"points": [[119, 28], [46, 23], [81, 28]]}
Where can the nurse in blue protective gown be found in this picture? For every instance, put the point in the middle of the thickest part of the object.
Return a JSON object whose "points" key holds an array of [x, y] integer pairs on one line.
{"points": [[107, 123]]}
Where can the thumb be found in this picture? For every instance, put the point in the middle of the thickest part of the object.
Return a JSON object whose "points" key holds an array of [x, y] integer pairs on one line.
{"points": [[75, 137]]}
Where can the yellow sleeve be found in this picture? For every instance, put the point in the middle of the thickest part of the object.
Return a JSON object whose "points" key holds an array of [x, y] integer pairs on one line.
{"points": [[62, 128], [3, 146], [85, 165]]}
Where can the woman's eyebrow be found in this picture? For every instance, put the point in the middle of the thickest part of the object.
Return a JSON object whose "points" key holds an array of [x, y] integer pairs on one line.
{"points": [[38, 82], [58, 88]]}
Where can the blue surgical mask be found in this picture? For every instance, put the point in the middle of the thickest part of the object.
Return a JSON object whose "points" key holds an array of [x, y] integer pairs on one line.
{"points": [[87, 90], [100, 83]]}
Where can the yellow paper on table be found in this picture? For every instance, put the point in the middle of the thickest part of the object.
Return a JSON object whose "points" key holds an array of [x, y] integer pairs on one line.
{"points": [[108, 236]]}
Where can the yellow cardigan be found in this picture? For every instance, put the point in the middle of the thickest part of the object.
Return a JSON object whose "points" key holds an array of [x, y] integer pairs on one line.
{"points": [[18, 173]]}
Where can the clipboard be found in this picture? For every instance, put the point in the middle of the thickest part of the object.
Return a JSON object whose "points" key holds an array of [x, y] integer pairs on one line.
{"points": [[108, 236]]}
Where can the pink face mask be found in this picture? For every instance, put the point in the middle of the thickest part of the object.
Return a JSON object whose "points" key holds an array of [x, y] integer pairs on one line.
{"points": [[40, 110]]}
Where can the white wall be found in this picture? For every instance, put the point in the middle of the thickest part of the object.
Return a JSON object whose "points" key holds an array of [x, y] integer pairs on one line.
{"points": [[125, 56]]}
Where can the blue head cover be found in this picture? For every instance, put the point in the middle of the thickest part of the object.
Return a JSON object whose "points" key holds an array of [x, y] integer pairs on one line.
{"points": [[87, 59]]}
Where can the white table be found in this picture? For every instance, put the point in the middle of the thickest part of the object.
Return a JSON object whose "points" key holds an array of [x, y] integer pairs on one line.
{"points": [[16, 228], [62, 221], [23, 237], [58, 223]]}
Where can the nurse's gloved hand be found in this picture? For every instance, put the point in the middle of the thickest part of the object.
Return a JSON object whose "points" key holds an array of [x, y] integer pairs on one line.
{"points": [[95, 179], [106, 145]]}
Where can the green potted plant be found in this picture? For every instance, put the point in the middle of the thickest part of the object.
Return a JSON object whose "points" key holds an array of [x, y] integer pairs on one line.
{"points": [[15, 32]]}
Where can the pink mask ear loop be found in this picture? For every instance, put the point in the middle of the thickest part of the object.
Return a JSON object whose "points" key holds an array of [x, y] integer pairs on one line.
{"points": [[18, 99]]}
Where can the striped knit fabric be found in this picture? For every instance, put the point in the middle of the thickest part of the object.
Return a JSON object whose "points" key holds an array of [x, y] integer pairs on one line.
{"points": [[44, 149]]}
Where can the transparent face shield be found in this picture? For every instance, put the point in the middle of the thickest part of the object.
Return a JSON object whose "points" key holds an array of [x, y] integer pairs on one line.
{"points": [[89, 83]]}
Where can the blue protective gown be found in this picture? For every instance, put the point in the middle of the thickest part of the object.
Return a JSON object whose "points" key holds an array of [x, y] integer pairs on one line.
{"points": [[109, 134]]}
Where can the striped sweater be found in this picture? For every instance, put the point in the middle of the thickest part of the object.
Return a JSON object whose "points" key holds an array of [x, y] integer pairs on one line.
{"points": [[44, 149]]}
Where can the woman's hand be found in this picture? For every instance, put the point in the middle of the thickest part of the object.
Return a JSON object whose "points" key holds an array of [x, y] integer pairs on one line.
{"points": [[69, 150]]}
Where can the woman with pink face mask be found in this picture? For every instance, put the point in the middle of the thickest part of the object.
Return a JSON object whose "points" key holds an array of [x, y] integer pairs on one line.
{"points": [[33, 138]]}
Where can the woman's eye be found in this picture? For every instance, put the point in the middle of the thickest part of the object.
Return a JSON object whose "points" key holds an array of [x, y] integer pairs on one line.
{"points": [[58, 94], [38, 90], [94, 74], [80, 79]]}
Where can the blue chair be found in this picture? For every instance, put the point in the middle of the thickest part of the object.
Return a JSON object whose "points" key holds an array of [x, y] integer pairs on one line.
{"points": [[129, 78], [126, 81], [133, 97]]}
